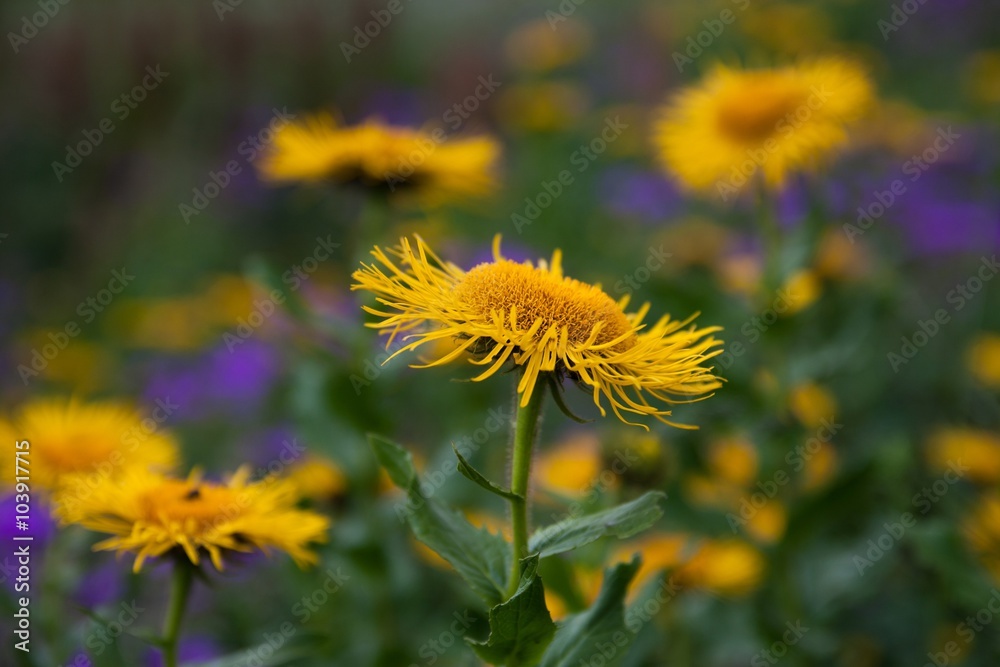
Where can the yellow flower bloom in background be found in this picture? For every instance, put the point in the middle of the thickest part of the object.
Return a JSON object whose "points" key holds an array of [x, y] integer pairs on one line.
{"points": [[588, 584], [536, 47], [983, 359], [802, 288], [840, 258], [812, 404], [384, 156], [95, 441], [776, 121], [767, 525], [543, 322], [317, 478], [659, 551], [542, 106], [819, 467], [983, 77], [151, 514], [725, 567], [733, 459], [571, 467], [981, 529], [978, 450]]}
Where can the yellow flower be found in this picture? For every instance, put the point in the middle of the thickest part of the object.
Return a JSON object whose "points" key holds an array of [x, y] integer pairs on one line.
{"points": [[544, 322], [384, 156], [317, 478], [979, 451], [571, 467], [819, 468], [767, 524], [541, 106], [981, 529], [812, 404], [802, 288], [536, 47], [983, 359], [659, 551], [733, 459], [775, 120], [726, 567], [587, 581], [151, 514], [95, 441]]}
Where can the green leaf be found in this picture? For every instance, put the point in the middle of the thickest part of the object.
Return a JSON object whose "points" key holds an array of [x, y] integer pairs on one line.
{"points": [[482, 558], [520, 628], [598, 635], [622, 521], [474, 475]]}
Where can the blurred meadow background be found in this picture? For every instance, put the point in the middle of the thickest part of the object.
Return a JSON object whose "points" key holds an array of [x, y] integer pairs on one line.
{"points": [[840, 502]]}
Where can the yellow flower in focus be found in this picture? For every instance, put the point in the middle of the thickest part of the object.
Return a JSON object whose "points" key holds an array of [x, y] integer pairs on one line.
{"points": [[725, 567], [536, 47], [572, 467], [93, 441], [977, 451], [150, 514], [981, 529], [819, 467], [767, 525], [544, 322], [802, 289], [983, 359], [317, 478], [383, 156], [733, 459], [811, 404], [719, 133]]}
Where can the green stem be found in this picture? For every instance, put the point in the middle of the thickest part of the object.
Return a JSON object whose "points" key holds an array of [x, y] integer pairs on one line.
{"points": [[525, 432], [768, 220], [180, 587]]}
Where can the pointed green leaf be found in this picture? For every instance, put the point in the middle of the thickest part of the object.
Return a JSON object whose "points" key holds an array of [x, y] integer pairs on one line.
{"points": [[482, 558], [622, 521], [520, 628], [598, 635], [474, 475]]}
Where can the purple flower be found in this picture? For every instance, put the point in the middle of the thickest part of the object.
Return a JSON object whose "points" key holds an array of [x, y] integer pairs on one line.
{"points": [[636, 193]]}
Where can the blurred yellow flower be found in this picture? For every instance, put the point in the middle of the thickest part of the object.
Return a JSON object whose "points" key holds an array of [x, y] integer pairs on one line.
{"points": [[588, 584], [802, 289], [719, 134], [571, 467], [150, 514], [740, 273], [543, 106], [767, 524], [981, 529], [383, 156], [978, 451], [812, 404], [93, 441], [694, 241], [710, 491], [177, 323], [725, 567], [659, 551], [819, 467], [82, 366], [543, 322], [839, 258], [983, 359], [983, 77], [317, 478], [733, 459], [536, 47]]}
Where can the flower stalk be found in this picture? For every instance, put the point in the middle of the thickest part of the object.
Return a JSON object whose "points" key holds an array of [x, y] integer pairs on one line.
{"points": [[180, 588], [525, 432]]}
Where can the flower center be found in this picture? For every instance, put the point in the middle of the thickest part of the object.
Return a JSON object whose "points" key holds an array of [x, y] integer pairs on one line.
{"points": [[539, 295], [77, 452], [183, 500], [752, 113]]}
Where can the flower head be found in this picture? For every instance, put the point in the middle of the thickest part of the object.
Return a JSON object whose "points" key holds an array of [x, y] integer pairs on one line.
{"points": [[781, 120], [72, 439], [151, 514], [544, 322], [378, 155]]}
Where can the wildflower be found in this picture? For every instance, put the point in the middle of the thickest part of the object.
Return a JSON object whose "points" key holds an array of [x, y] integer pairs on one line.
{"points": [[383, 156], [151, 514], [94, 440], [543, 321], [776, 120]]}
